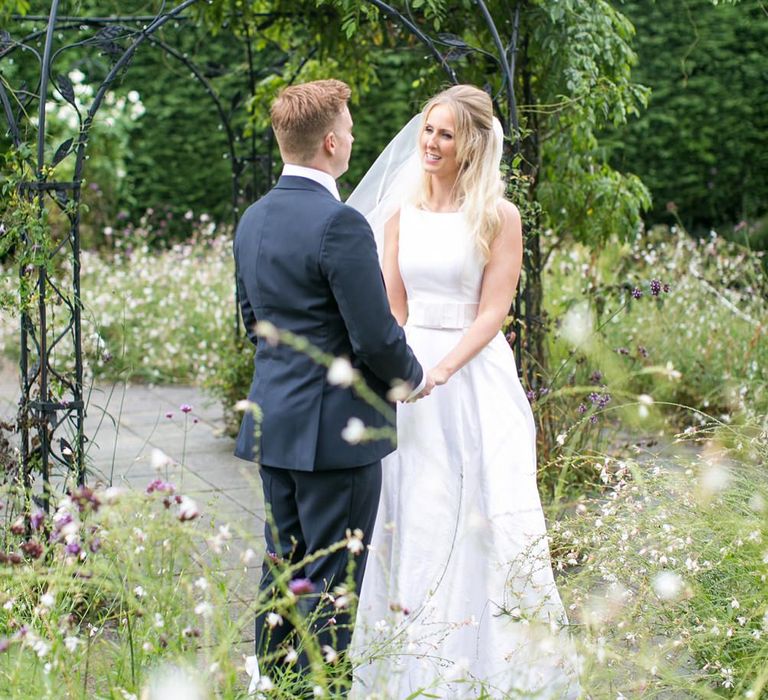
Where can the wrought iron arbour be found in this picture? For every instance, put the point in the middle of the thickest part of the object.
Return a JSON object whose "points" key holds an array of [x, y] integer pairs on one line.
{"points": [[52, 404]]}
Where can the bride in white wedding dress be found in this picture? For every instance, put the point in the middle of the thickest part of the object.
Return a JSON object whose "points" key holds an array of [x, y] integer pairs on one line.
{"points": [[458, 593]]}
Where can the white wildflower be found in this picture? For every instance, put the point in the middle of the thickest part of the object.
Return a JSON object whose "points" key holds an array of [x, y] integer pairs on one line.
{"points": [[188, 509], [577, 325], [667, 585], [204, 609], [355, 541], [354, 431], [341, 372], [159, 460]]}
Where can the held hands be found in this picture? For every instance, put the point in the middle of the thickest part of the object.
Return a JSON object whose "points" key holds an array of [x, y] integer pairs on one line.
{"points": [[437, 376]]}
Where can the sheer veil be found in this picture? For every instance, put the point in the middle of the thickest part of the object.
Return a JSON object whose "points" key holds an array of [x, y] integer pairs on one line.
{"points": [[386, 185], [395, 177]]}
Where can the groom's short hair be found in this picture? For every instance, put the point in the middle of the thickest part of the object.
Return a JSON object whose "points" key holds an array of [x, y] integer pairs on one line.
{"points": [[303, 114]]}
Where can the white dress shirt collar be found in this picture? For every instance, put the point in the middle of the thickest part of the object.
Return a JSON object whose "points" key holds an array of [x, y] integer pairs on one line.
{"points": [[319, 176]]}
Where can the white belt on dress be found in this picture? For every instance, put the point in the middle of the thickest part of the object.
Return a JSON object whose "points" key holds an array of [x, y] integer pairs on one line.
{"points": [[437, 314]]}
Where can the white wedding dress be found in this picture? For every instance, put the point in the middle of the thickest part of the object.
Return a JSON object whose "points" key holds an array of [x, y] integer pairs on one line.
{"points": [[459, 587]]}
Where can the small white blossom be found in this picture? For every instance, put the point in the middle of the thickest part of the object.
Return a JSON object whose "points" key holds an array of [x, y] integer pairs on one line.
{"points": [[267, 330], [139, 591], [273, 620], [330, 655], [188, 509], [341, 372], [159, 460], [355, 541], [400, 391], [354, 431], [265, 684], [667, 585], [204, 609]]}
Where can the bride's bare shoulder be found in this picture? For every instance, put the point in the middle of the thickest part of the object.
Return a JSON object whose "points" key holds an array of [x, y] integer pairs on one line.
{"points": [[511, 222]]}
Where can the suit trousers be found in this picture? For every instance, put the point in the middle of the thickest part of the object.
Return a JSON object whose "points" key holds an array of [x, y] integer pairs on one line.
{"points": [[308, 512]]}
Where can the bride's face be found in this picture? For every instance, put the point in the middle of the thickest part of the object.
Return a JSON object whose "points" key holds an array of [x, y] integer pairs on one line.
{"points": [[438, 144]]}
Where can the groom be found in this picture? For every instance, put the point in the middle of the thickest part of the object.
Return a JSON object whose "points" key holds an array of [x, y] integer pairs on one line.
{"points": [[307, 263]]}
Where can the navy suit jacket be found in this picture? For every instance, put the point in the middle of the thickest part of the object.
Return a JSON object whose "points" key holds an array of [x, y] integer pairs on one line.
{"points": [[307, 263]]}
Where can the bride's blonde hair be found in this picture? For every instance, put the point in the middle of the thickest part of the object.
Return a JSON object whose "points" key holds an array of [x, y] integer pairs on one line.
{"points": [[479, 186]]}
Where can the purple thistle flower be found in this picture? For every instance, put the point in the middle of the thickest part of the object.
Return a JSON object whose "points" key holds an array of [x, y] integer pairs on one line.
{"points": [[543, 391], [84, 498], [655, 287], [161, 486], [636, 293], [32, 548], [300, 586], [622, 351], [185, 408], [73, 548], [599, 400], [95, 545], [582, 408], [593, 419], [665, 288], [36, 519], [596, 377], [531, 394], [642, 351]]}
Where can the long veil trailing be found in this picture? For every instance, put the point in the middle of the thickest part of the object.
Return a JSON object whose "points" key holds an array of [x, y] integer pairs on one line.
{"points": [[393, 175]]}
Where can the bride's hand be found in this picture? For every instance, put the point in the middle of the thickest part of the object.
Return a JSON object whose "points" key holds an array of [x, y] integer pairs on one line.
{"points": [[439, 375]]}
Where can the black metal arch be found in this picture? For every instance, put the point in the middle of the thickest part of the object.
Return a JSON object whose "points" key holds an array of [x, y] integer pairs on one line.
{"points": [[43, 412]]}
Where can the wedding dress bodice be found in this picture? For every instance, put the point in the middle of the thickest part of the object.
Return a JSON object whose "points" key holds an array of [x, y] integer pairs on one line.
{"points": [[438, 257], [441, 268]]}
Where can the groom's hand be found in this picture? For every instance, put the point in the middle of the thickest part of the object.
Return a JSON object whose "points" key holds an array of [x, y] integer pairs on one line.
{"points": [[427, 390]]}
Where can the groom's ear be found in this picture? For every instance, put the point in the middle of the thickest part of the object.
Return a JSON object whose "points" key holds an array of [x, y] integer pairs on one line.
{"points": [[329, 143]]}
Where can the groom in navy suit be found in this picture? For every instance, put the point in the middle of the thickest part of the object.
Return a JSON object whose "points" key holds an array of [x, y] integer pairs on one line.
{"points": [[307, 263]]}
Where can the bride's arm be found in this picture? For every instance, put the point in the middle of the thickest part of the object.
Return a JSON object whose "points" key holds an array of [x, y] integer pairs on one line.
{"points": [[496, 294], [398, 300]]}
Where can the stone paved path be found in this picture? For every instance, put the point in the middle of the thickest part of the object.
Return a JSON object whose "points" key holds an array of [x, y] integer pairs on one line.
{"points": [[125, 422]]}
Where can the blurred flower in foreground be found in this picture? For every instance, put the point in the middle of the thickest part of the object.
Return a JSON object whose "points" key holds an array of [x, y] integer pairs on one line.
{"points": [[577, 325], [174, 683], [667, 585], [354, 431]]}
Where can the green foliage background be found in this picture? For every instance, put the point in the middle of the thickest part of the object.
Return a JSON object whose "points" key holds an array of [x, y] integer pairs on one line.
{"points": [[703, 141]]}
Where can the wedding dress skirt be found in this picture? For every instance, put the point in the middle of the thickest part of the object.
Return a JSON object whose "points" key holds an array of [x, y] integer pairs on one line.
{"points": [[459, 589]]}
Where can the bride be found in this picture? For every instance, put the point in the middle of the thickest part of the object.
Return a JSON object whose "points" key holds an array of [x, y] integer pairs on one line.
{"points": [[459, 593]]}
